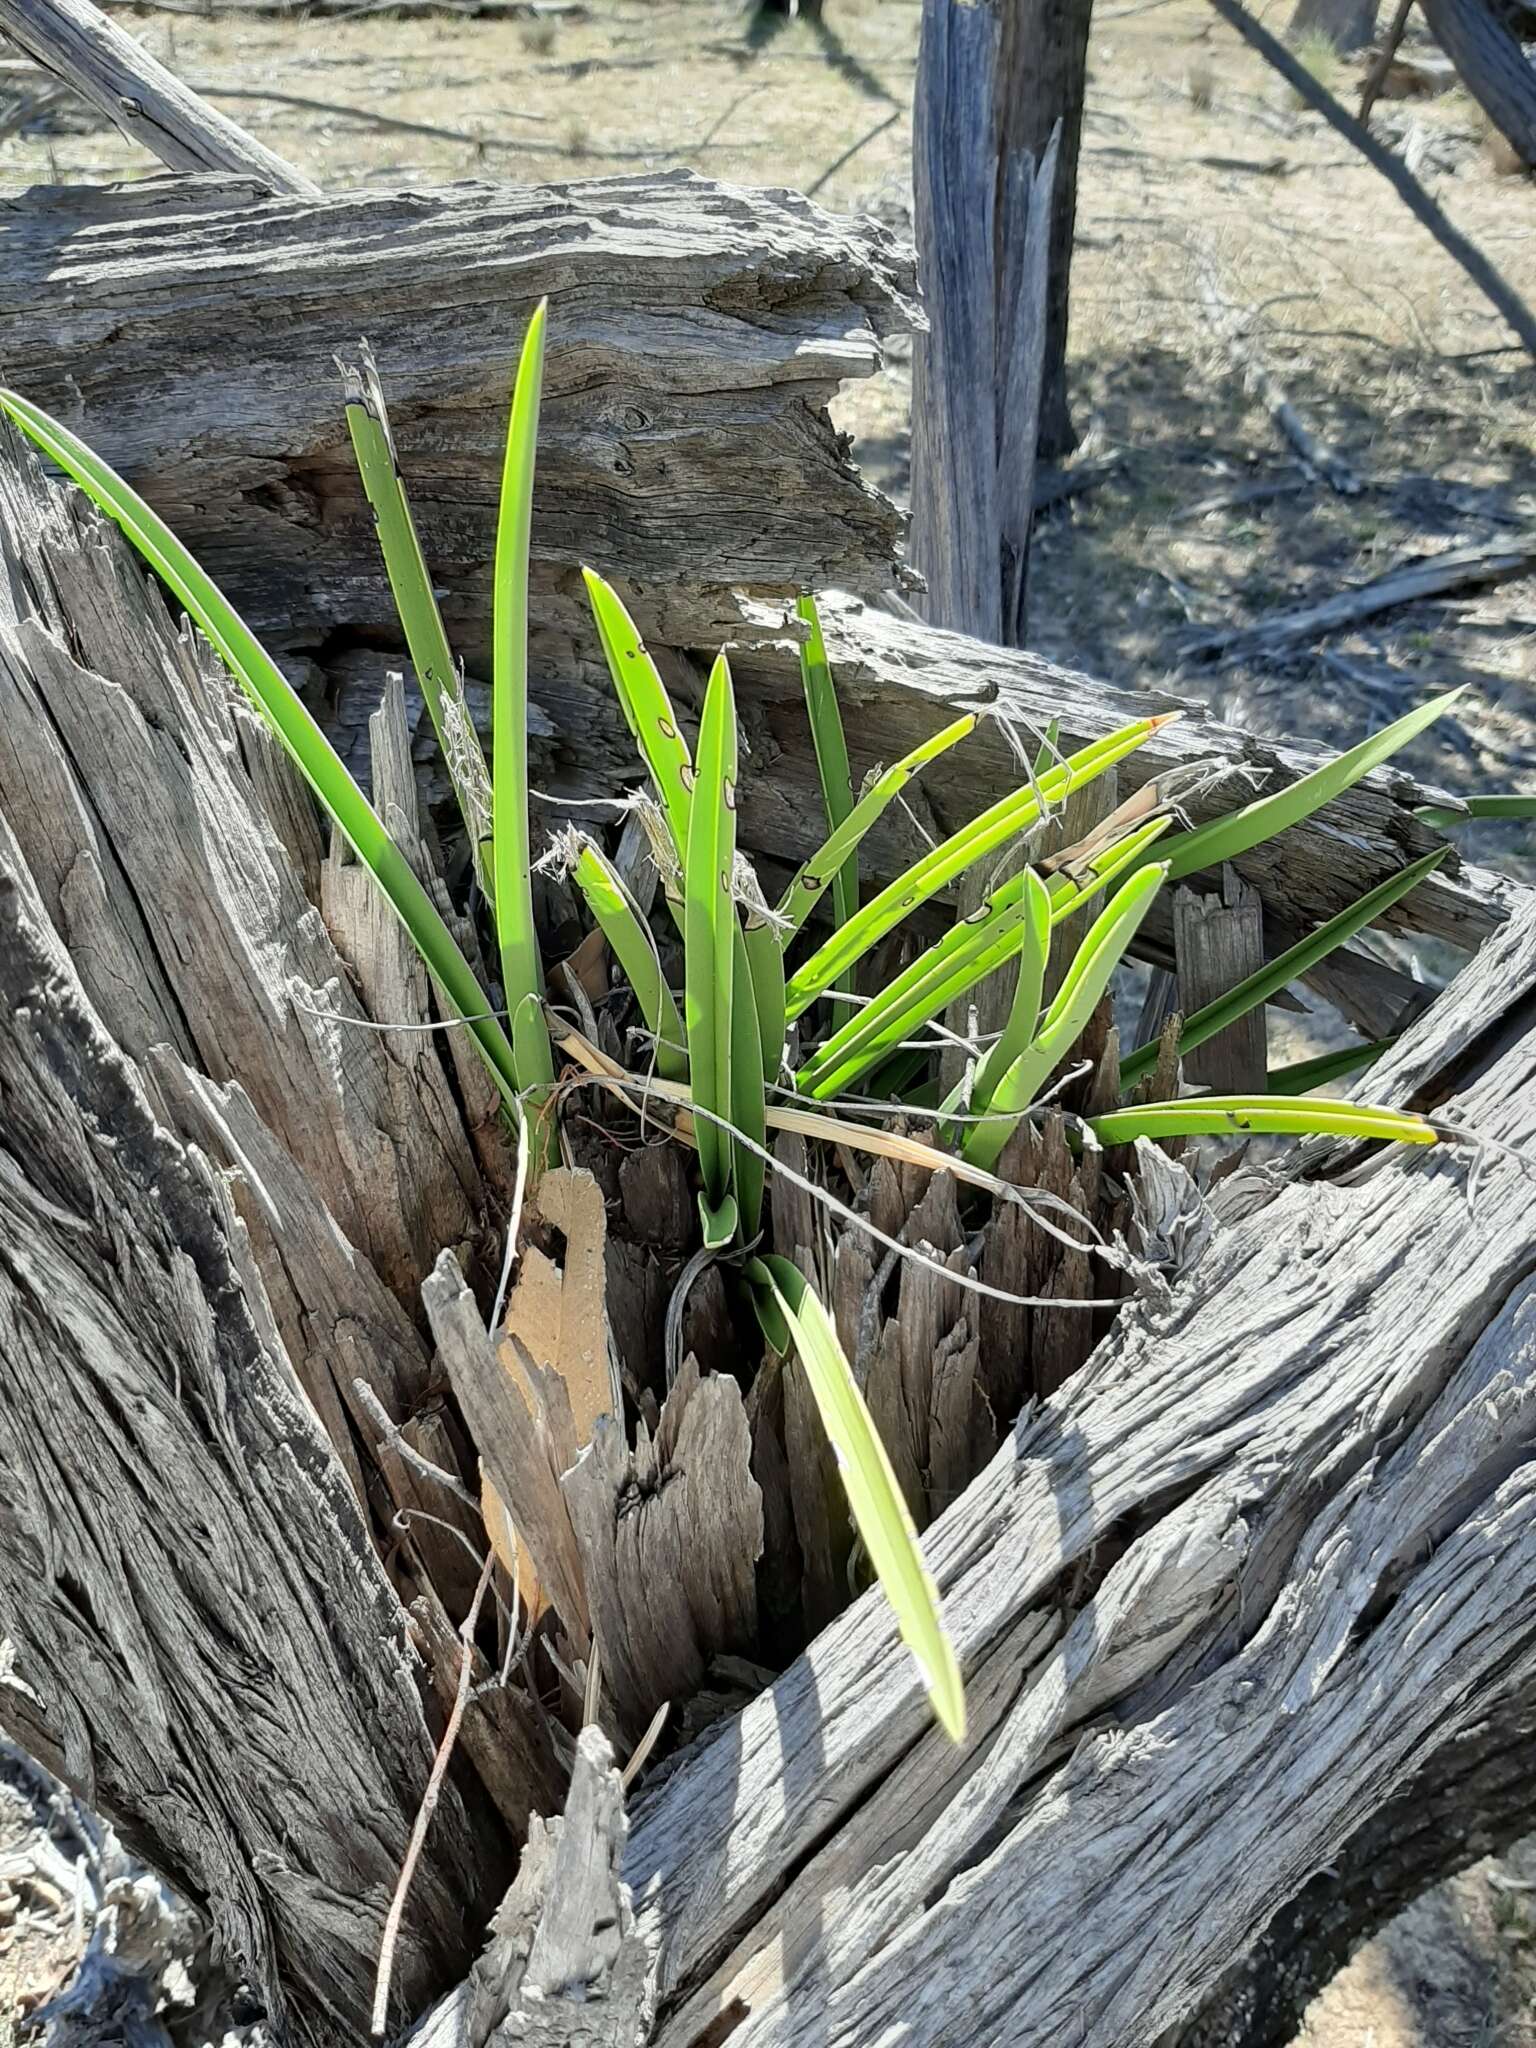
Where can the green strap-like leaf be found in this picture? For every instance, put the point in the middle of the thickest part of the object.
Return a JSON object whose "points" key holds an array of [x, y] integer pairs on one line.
{"points": [[1306, 1075], [1443, 816], [1024, 1011], [749, 1100], [943, 864], [274, 696], [831, 748], [879, 1511], [1285, 968], [416, 603], [1257, 1115], [522, 971], [1087, 978], [1225, 838], [832, 858], [623, 924], [709, 928], [975, 947], [765, 959], [646, 706]]}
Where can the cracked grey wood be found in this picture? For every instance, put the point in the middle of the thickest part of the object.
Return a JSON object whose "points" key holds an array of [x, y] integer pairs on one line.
{"points": [[124, 777], [563, 1967], [899, 681], [1219, 942], [213, 1645], [669, 1533], [1299, 1397]]}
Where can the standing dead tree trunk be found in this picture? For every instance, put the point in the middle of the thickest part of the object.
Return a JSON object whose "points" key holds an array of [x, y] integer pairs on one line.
{"points": [[1480, 39], [1042, 89], [1347, 24], [984, 231], [1145, 1585]]}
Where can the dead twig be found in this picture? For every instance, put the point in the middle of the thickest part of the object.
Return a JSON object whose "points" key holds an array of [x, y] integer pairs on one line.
{"points": [[852, 151], [429, 1800], [102, 62], [1456, 569], [1381, 63], [1317, 458]]}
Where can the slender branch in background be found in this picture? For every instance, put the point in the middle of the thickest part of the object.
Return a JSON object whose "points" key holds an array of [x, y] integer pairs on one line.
{"points": [[852, 151], [1319, 460], [429, 1800], [1490, 281], [1381, 63], [102, 62]]}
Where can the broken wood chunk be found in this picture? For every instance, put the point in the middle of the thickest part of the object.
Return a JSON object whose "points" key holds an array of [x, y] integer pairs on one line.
{"points": [[669, 1534], [1219, 942]]}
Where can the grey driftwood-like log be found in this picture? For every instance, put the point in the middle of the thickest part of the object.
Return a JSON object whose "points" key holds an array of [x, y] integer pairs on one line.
{"points": [[1273, 1539], [1245, 1610], [697, 332], [898, 680], [80, 45], [1320, 1474]]}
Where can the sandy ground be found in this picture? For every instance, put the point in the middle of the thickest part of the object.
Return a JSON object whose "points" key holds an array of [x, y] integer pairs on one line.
{"points": [[1199, 172]]}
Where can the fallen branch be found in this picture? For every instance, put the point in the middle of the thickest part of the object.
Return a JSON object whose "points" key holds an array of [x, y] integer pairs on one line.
{"points": [[1494, 286], [1317, 458], [102, 62], [1456, 569]]}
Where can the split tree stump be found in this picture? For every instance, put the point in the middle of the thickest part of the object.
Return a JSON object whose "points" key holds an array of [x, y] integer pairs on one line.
{"points": [[1240, 1605]]}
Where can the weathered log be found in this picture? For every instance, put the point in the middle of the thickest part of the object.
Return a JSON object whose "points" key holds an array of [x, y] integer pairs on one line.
{"points": [[698, 332], [1246, 1612], [1277, 1532], [899, 681], [1322, 1473]]}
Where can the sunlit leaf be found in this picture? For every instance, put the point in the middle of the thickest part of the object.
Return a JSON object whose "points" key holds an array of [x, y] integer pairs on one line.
{"points": [[709, 929], [1285, 968], [522, 972], [880, 1512]]}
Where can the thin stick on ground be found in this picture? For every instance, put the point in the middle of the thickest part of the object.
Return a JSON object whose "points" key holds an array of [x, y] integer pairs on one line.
{"points": [[429, 1800]]}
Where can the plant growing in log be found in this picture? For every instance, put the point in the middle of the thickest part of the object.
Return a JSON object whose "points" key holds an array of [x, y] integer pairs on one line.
{"points": [[763, 1017]]}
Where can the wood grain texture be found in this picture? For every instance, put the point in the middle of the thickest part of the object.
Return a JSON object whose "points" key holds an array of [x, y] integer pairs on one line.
{"points": [[697, 332], [1219, 942], [185, 911], [1492, 63], [1306, 1437], [670, 1534], [184, 1573]]}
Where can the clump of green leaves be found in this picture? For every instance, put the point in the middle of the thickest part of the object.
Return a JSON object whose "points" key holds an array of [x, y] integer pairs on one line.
{"points": [[766, 1002]]}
